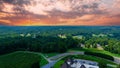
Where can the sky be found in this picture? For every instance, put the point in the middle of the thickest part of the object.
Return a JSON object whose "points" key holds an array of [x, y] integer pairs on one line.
{"points": [[59, 12]]}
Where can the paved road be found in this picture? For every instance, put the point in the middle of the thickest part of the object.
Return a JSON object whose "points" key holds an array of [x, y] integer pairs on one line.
{"points": [[49, 65], [65, 54], [117, 60], [54, 59]]}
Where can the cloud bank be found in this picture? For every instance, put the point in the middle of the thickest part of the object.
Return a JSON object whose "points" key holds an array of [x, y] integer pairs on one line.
{"points": [[59, 12]]}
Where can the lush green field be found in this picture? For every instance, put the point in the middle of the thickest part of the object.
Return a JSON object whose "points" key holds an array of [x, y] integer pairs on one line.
{"points": [[21, 59], [95, 50], [102, 62]]}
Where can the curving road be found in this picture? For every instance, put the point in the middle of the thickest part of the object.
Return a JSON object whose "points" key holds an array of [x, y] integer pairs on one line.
{"points": [[49, 65], [117, 60], [54, 59]]}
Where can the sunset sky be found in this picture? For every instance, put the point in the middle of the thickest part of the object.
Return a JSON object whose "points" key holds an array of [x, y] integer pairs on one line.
{"points": [[59, 12]]}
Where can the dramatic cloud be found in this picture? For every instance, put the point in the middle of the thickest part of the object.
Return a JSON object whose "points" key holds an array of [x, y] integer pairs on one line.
{"points": [[59, 12]]}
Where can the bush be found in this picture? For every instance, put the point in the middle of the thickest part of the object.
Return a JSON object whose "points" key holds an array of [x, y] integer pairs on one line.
{"points": [[100, 55]]}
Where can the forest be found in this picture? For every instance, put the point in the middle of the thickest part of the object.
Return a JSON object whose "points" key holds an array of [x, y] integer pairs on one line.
{"points": [[47, 39]]}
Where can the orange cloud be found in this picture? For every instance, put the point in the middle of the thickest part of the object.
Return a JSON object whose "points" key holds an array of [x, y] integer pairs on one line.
{"points": [[5, 21], [60, 12]]}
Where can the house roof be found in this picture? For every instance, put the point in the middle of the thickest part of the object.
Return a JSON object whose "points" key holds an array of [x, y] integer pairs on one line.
{"points": [[82, 66]]}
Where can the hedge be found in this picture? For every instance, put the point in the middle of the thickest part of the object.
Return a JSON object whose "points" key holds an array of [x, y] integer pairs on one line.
{"points": [[99, 55]]}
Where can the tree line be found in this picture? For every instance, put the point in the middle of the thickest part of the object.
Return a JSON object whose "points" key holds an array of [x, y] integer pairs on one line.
{"points": [[47, 44], [38, 44]]}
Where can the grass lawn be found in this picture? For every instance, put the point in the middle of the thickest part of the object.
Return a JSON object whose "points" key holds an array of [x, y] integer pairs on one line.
{"points": [[43, 61], [102, 62], [21, 59], [95, 50], [58, 64]]}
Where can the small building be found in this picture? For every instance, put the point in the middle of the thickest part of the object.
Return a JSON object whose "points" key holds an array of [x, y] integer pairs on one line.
{"points": [[62, 36], [82, 45], [99, 47], [78, 37], [22, 35], [28, 35]]}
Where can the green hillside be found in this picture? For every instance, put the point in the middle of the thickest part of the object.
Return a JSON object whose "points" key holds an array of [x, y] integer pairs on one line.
{"points": [[21, 59]]}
